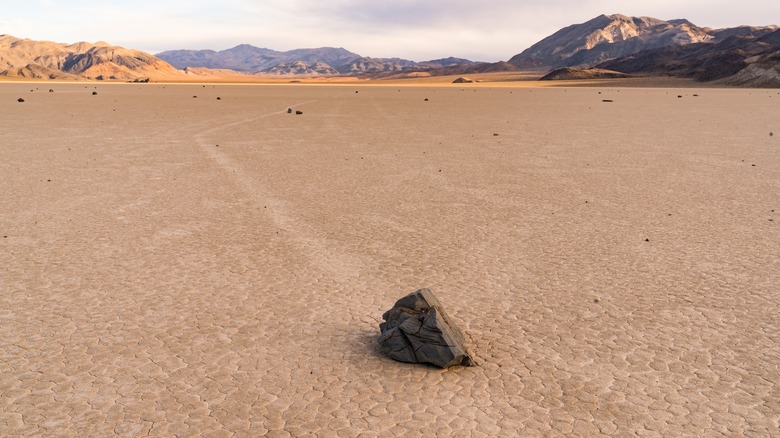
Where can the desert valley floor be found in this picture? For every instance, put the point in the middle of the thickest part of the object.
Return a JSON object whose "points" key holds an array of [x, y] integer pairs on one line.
{"points": [[173, 265]]}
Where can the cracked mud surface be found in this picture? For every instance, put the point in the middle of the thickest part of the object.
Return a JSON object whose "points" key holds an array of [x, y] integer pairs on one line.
{"points": [[178, 266]]}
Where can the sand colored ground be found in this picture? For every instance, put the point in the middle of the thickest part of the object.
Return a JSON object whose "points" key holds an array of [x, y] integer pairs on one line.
{"points": [[179, 266]]}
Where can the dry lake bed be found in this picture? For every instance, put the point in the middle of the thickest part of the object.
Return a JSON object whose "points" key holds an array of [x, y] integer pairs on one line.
{"points": [[173, 265]]}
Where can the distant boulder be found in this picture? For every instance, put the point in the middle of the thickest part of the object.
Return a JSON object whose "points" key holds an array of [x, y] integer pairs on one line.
{"points": [[463, 80], [572, 74]]}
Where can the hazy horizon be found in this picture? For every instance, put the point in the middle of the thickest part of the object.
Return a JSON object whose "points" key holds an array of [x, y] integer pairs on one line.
{"points": [[496, 30]]}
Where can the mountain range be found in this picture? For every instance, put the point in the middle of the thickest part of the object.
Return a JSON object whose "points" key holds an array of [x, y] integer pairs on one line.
{"points": [[320, 61], [746, 56], [607, 37], [649, 46], [727, 54], [28, 59]]}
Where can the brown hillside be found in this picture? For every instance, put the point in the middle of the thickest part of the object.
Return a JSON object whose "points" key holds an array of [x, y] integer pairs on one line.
{"points": [[99, 60]]}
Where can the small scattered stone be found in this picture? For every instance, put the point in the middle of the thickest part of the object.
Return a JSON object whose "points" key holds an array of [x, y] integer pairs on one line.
{"points": [[51, 90], [647, 240], [94, 93], [298, 112], [679, 96], [607, 100], [426, 99], [219, 98], [20, 100], [289, 110], [595, 300], [495, 135], [194, 97], [417, 330]]}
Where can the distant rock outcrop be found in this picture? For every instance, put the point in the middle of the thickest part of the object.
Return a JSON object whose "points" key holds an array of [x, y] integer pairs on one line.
{"points": [[417, 330], [570, 73], [462, 80], [761, 72]]}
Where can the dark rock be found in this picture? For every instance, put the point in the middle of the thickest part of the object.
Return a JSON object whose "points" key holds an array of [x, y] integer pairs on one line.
{"points": [[20, 100], [299, 112], [463, 80], [607, 100], [569, 74], [289, 110], [94, 93], [417, 330], [51, 90]]}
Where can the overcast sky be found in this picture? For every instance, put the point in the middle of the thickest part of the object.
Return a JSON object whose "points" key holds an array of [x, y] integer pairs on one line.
{"points": [[482, 30]]}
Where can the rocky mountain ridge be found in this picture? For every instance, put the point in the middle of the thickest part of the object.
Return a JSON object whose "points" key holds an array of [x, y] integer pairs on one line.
{"points": [[25, 58], [318, 61], [649, 46], [747, 58], [607, 37], [250, 59]]}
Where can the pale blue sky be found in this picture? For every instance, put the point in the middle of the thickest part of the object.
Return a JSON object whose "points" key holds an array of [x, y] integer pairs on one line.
{"points": [[485, 30]]}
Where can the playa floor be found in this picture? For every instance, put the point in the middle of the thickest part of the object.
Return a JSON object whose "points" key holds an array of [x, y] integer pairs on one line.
{"points": [[173, 265]]}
